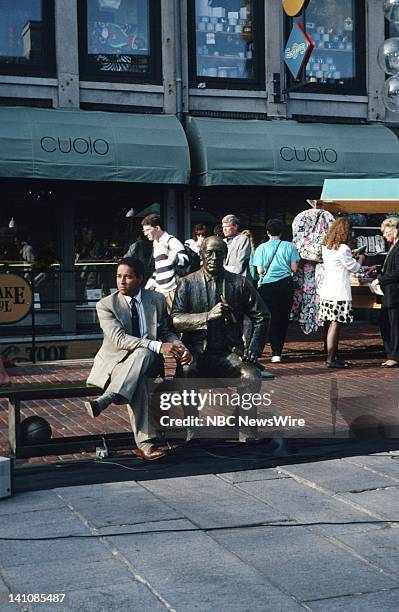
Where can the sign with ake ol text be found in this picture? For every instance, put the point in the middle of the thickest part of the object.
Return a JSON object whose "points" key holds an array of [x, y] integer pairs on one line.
{"points": [[15, 298]]}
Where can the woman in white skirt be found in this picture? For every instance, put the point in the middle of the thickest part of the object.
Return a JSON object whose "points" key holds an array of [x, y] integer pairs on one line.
{"points": [[335, 291]]}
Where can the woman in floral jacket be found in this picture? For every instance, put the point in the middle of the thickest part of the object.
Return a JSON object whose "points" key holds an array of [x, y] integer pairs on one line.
{"points": [[309, 229]]}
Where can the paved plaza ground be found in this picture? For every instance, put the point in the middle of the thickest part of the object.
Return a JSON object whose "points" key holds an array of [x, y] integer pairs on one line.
{"points": [[218, 526], [303, 387]]}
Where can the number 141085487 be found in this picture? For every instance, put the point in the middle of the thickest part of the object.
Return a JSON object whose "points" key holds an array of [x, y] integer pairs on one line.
{"points": [[22, 598]]}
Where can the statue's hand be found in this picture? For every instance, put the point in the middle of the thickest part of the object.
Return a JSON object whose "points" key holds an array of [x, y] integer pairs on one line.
{"points": [[249, 356], [237, 351], [217, 312]]}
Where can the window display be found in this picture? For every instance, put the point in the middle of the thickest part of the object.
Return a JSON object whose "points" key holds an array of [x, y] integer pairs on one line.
{"points": [[393, 29], [25, 32], [225, 46], [117, 37], [334, 28]]}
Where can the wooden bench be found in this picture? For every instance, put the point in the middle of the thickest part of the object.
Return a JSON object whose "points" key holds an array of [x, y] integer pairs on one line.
{"points": [[17, 394]]}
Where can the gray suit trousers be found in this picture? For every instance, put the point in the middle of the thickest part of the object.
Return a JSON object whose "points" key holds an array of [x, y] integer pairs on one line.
{"points": [[130, 379]]}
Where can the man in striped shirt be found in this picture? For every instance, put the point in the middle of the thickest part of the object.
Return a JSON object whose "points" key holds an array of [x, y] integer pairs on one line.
{"points": [[168, 253]]}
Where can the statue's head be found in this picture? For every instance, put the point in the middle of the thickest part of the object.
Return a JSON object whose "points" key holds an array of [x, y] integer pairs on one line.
{"points": [[213, 253]]}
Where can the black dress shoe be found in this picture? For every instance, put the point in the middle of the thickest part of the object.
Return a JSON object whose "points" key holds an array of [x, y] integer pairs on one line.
{"points": [[92, 408], [337, 364]]}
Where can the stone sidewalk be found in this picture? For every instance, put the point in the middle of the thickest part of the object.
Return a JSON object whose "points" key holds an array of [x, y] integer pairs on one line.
{"points": [[316, 536]]}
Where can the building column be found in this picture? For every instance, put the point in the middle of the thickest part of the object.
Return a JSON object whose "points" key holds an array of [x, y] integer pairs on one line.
{"points": [[168, 57], [171, 212], [67, 53], [375, 29], [186, 214], [274, 45], [67, 268]]}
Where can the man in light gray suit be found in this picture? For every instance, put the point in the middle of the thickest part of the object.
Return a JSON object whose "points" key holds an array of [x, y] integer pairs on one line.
{"points": [[136, 336], [238, 248]]}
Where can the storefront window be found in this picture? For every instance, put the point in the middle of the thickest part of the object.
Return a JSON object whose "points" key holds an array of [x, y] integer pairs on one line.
{"points": [[392, 29], [119, 38], [101, 238], [337, 29], [30, 246], [26, 37], [226, 40]]}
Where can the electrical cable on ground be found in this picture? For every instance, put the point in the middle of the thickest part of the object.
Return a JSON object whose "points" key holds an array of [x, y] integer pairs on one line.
{"points": [[199, 529]]}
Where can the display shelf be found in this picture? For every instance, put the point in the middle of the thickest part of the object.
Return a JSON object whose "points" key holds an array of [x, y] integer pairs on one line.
{"points": [[234, 58], [317, 49], [226, 33]]}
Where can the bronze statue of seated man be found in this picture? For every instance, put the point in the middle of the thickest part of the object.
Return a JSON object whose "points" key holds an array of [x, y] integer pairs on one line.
{"points": [[208, 310]]}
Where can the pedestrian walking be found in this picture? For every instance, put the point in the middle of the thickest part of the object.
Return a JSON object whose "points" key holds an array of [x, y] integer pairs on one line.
{"points": [[169, 255], [276, 260], [238, 249]]}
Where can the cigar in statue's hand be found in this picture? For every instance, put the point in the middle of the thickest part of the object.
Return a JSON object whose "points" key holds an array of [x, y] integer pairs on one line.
{"points": [[231, 313]]}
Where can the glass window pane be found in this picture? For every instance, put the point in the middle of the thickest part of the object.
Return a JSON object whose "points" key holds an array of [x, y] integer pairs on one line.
{"points": [[118, 35], [331, 25], [21, 32], [393, 29], [225, 39]]}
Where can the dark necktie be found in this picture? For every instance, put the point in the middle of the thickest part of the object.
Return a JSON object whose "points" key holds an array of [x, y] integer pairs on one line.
{"points": [[135, 319]]}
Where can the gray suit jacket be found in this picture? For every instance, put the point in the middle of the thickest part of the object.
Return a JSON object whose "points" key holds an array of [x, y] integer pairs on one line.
{"points": [[115, 320], [238, 254]]}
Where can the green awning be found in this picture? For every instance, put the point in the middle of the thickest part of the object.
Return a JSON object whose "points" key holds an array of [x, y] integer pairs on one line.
{"points": [[288, 153], [361, 195], [361, 189], [92, 146]]}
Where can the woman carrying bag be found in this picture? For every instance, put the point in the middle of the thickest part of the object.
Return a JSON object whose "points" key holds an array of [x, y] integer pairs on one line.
{"points": [[276, 260]]}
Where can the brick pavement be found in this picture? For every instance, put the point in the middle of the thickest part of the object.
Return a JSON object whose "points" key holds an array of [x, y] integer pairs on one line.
{"points": [[302, 383]]}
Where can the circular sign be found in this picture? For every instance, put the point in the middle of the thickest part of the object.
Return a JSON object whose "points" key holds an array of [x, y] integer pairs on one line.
{"points": [[294, 7], [15, 298]]}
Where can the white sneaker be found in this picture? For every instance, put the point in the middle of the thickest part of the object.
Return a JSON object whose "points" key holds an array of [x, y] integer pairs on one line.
{"points": [[276, 359]]}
